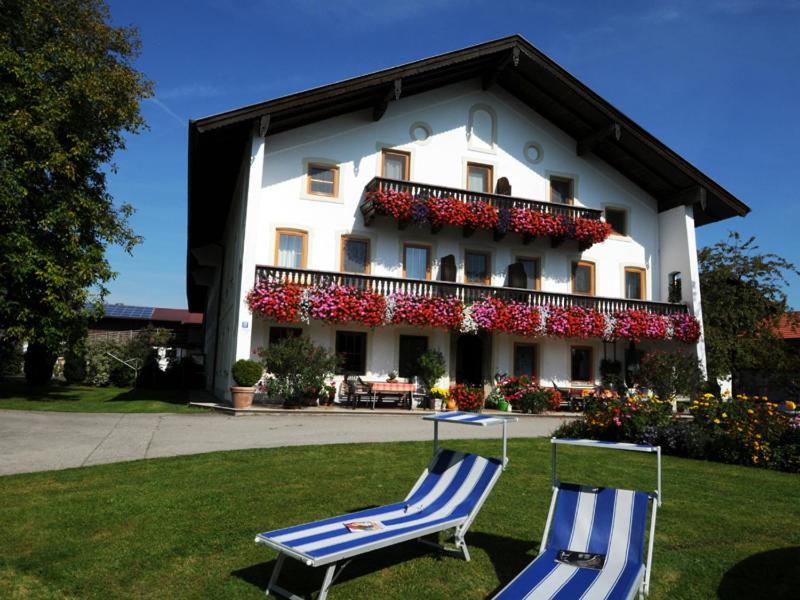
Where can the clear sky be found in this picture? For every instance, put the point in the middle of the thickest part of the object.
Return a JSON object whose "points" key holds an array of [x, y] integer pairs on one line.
{"points": [[719, 82]]}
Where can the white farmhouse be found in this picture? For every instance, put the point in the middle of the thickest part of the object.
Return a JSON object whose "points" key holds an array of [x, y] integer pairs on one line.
{"points": [[458, 203]]}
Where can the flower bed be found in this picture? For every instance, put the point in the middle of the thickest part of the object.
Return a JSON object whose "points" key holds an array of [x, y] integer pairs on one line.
{"points": [[738, 431], [467, 397], [439, 211], [340, 304], [526, 396]]}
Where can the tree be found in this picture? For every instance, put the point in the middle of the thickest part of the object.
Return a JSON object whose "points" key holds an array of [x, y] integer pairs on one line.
{"points": [[743, 300], [68, 95]]}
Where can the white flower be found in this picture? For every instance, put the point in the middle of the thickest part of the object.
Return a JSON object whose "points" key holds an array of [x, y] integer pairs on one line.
{"points": [[670, 328], [304, 310], [468, 323], [544, 313], [388, 314], [608, 329]]}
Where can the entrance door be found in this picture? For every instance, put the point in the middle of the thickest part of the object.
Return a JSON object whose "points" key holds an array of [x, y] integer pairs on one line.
{"points": [[469, 360]]}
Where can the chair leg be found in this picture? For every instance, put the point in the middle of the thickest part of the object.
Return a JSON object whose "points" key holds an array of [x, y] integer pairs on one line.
{"points": [[326, 582], [275, 572]]}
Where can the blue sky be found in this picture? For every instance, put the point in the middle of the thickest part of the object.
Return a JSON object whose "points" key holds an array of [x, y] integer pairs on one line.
{"points": [[718, 82]]}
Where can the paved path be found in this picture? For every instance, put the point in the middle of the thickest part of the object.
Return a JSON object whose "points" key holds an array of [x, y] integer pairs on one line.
{"points": [[40, 441]]}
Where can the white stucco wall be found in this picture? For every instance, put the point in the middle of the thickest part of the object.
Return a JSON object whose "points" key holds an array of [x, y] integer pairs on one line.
{"points": [[274, 178]]}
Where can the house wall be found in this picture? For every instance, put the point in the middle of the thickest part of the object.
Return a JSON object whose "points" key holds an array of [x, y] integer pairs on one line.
{"points": [[274, 178]]}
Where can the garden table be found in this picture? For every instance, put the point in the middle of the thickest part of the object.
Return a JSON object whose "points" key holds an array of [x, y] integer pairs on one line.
{"points": [[393, 388]]}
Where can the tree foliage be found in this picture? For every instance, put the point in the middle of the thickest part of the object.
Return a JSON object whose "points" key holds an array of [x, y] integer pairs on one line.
{"points": [[68, 95], [743, 300]]}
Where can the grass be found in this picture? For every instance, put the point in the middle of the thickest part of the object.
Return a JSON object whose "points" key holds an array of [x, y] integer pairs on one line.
{"points": [[16, 394], [184, 527]]}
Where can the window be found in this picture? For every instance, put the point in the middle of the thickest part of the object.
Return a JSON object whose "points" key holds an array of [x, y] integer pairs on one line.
{"points": [[411, 348], [355, 255], [675, 287], [476, 267], [278, 334], [395, 165], [351, 346], [416, 262], [581, 367], [323, 180], [583, 278], [618, 219], [533, 271], [290, 248], [479, 178], [634, 283], [561, 190], [525, 361]]}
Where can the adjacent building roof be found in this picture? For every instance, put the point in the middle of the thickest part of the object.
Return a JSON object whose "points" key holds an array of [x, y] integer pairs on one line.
{"points": [[151, 313], [218, 143], [789, 326]]}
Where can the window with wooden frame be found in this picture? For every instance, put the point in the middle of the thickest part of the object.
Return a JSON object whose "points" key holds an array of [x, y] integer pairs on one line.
{"points": [[583, 277], [618, 219], [291, 248], [634, 283], [354, 254], [278, 334], [416, 261], [581, 366], [533, 271], [322, 180], [396, 165], [411, 348], [351, 346], [526, 361], [562, 190], [479, 178], [476, 267]]}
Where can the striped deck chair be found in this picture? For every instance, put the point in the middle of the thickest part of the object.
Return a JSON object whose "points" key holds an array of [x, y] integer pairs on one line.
{"points": [[448, 495], [593, 544]]}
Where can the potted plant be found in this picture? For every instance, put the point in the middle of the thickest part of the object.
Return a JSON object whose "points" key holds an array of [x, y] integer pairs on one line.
{"points": [[298, 370], [431, 368], [466, 397], [246, 374], [392, 376]]}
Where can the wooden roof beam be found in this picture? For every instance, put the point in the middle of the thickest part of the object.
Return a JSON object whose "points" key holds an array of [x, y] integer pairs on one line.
{"points": [[587, 144], [393, 93], [691, 196], [491, 76]]}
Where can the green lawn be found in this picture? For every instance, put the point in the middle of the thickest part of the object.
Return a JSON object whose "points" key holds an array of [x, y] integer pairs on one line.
{"points": [[16, 394], [184, 527]]}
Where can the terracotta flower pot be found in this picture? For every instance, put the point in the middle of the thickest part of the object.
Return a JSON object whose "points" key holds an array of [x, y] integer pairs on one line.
{"points": [[242, 397], [451, 404]]}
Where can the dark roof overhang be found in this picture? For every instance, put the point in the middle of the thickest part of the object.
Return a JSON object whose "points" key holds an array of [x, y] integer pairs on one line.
{"points": [[217, 143]]}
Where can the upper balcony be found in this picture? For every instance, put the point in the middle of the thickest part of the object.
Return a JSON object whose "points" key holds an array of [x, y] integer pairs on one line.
{"points": [[438, 206]]}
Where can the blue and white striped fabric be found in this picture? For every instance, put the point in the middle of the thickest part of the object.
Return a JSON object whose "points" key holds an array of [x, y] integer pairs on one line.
{"points": [[448, 492], [605, 521]]}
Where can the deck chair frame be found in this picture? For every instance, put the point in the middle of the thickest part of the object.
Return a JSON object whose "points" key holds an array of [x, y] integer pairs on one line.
{"points": [[642, 585], [336, 563]]}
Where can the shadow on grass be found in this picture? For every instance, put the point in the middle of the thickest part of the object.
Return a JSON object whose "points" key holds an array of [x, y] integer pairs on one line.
{"points": [[508, 557], [772, 574], [55, 391], [170, 396]]}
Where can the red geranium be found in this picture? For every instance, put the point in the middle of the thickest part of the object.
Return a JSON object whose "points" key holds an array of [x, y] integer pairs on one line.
{"points": [[467, 397]]}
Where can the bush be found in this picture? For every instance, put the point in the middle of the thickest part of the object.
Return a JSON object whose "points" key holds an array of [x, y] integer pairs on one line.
{"points": [[75, 367], [526, 396], [11, 357], [39, 363], [671, 373], [246, 373], [298, 368], [431, 367], [467, 397], [621, 418]]}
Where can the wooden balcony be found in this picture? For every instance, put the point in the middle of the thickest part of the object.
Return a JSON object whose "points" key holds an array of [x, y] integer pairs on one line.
{"points": [[467, 293], [496, 200]]}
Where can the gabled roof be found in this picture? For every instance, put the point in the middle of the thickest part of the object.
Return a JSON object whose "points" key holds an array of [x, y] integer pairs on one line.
{"points": [[218, 143], [789, 326]]}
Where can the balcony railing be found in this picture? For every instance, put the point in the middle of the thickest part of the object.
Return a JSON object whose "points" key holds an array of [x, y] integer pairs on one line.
{"points": [[496, 200], [467, 293]]}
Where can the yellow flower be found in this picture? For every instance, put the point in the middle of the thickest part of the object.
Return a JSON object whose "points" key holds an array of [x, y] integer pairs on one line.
{"points": [[707, 395], [749, 411], [755, 458], [791, 405], [758, 436], [716, 421], [724, 415]]}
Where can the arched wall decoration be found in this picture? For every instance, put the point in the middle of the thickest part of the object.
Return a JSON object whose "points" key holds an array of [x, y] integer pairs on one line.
{"points": [[482, 128]]}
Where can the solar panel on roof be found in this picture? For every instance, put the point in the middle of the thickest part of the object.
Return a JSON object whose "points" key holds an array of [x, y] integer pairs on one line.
{"points": [[123, 311]]}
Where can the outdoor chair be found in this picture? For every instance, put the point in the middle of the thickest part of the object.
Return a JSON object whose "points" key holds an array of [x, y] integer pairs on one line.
{"points": [[593, 542], [358, 390], [448, 495]]}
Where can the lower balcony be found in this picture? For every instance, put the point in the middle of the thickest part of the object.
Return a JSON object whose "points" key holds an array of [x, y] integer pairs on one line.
{"points": [[303, 295]]}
